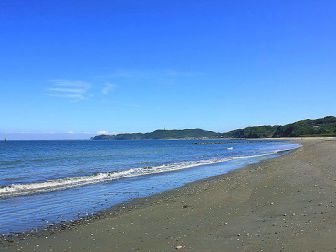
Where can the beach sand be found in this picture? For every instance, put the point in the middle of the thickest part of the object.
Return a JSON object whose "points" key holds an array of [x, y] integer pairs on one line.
{"points": [[282, 204]]}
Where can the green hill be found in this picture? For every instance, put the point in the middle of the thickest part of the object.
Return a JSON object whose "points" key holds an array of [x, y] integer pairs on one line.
{"points": [[252, 132], [162, 134], [320, 127]]}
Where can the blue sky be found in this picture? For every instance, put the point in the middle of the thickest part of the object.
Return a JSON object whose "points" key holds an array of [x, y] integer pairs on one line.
{"points": [[70, 69]]}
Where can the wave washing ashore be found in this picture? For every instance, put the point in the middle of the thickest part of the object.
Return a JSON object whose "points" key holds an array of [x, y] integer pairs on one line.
{"points": [[46, 182], [64, 183]]}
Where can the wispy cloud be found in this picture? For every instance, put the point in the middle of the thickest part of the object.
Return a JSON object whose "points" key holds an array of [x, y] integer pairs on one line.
{"points": [[108, 88], [72, 90]]}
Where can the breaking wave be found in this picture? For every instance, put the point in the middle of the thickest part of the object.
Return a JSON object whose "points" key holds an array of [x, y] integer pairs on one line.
{"points": [[70, 182]]}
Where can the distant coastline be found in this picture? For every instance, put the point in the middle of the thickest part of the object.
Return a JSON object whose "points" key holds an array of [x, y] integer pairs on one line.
{"points": [[323, 127]]}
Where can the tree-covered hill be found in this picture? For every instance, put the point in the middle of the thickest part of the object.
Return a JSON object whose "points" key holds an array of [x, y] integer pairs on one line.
{"points": [[252, 132], [162, 134], [320, 127]]}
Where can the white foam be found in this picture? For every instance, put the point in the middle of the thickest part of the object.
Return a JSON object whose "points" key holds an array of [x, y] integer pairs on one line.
{"points": [[64, 183]]}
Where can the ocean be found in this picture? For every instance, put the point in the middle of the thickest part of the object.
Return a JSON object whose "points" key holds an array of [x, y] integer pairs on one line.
{"points": [[47, 182]]}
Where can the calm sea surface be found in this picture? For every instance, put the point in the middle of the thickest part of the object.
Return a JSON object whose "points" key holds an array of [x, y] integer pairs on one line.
{"points": [[45, 182]]}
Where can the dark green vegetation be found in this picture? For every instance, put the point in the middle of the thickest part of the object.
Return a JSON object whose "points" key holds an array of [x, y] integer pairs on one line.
{"points": [[320, 127], [252, 132], [162, 134]]}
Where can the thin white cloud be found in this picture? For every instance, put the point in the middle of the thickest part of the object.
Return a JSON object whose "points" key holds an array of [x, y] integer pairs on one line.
{"points": [[108, 88], [73, 90]]}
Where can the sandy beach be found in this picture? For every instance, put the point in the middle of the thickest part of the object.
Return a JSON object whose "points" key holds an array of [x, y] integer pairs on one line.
{"points": [[282, 204]]}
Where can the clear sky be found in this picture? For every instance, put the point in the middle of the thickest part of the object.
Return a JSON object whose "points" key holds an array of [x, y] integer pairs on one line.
{"points": [[79, 67]]}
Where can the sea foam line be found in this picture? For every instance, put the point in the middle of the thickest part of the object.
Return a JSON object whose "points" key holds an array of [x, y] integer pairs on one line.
{"points": [[65, 183]]}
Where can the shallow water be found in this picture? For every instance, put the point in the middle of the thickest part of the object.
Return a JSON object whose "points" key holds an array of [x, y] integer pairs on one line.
{"points": [[44, 182]]}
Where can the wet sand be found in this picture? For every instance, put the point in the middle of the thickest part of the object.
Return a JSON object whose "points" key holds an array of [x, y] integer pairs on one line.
{"points": [[282, 204]]}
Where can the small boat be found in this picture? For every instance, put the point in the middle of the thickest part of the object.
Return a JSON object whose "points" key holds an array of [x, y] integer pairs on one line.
{"points": [[230, 148]]}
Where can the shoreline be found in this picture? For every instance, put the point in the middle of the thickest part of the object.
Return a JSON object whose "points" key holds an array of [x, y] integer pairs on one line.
{"points": [[157, 201]]}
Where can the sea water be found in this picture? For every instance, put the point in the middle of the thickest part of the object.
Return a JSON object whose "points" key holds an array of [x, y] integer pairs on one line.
{"points": [[46, 182]]}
